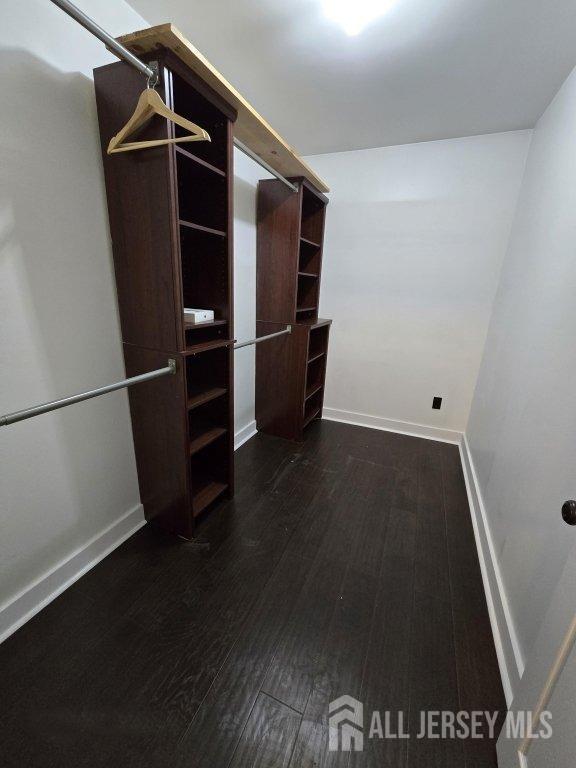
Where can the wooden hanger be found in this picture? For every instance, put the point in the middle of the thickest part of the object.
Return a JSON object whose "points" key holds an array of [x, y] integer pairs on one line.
{"points": [[150, 104]]}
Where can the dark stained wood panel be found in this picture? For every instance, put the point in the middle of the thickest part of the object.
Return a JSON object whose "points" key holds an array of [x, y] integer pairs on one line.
{"points": [[280, 381], [158, 411], [140, 190], [278, 221]]}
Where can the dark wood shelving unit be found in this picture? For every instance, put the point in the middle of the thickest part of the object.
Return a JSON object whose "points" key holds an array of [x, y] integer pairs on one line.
{"points": [[170, 211], [290, 238], [290, 375], [290, 371]]}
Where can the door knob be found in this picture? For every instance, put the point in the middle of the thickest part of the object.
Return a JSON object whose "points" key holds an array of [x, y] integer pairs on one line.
{"points": [[569, 512]]}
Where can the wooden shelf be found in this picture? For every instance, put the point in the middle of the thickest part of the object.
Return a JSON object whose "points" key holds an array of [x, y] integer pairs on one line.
{"points": [[206, 346], [316, 357], [200, 228], [250, 127], [306, 309], [312, 390], [205, 438], [308, 274], [199, 160], [311, 417], [205, 397], [206, 495], [309, 242], [199, 326]]}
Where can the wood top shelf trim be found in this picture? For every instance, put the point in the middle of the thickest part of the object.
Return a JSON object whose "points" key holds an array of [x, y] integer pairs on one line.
{"points": [[308, 274], [317, 356], [250, 127]]}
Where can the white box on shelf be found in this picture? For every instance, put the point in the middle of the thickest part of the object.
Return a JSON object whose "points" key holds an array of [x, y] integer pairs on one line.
{"points": [[198, 315]]}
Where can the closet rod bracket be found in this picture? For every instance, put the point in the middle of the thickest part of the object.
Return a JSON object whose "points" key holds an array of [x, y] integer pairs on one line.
{"points": [[155, 76], [103, 36]]}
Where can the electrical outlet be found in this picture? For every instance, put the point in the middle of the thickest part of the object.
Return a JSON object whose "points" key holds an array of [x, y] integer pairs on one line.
{"points": [[437, 403]]}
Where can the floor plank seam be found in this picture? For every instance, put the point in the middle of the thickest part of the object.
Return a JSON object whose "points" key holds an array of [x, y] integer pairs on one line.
{"points": [[279, 701]]}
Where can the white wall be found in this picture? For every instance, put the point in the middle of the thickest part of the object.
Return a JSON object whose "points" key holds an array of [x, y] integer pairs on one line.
{"points": [[246, 176], [522, 426], [414, 243], [66, 476]]}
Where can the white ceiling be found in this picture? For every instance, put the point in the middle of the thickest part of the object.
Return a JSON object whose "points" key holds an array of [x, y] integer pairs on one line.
{"points": [[427, 69]]}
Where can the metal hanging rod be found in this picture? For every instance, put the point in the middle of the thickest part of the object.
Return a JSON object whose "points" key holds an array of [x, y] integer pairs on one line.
{"points": [[247, 151], [108, 40], [28, 413], [288, 329]]}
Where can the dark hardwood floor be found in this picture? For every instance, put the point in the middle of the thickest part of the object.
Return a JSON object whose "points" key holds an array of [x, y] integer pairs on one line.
{"points": [[345, 565]]}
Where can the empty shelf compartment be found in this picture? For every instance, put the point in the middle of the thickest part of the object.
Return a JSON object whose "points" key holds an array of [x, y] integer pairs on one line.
{"points": [[207, 423], [318, 341], [192, 105], [202, 194], [208, 474], [312, 408], [309, 259], [207, 376]]}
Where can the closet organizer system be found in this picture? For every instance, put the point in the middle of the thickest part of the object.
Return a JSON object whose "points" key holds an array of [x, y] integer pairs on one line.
{"points": [[167, 150], [171, 220]]}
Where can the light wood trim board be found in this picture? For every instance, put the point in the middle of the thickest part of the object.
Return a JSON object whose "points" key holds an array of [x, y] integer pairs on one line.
{"points": [[250, 127]]}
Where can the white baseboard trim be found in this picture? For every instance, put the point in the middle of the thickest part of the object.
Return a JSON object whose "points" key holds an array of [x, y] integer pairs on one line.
{"points": [[391, 425], [31, 600], [244, 434], [510, 659]]}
